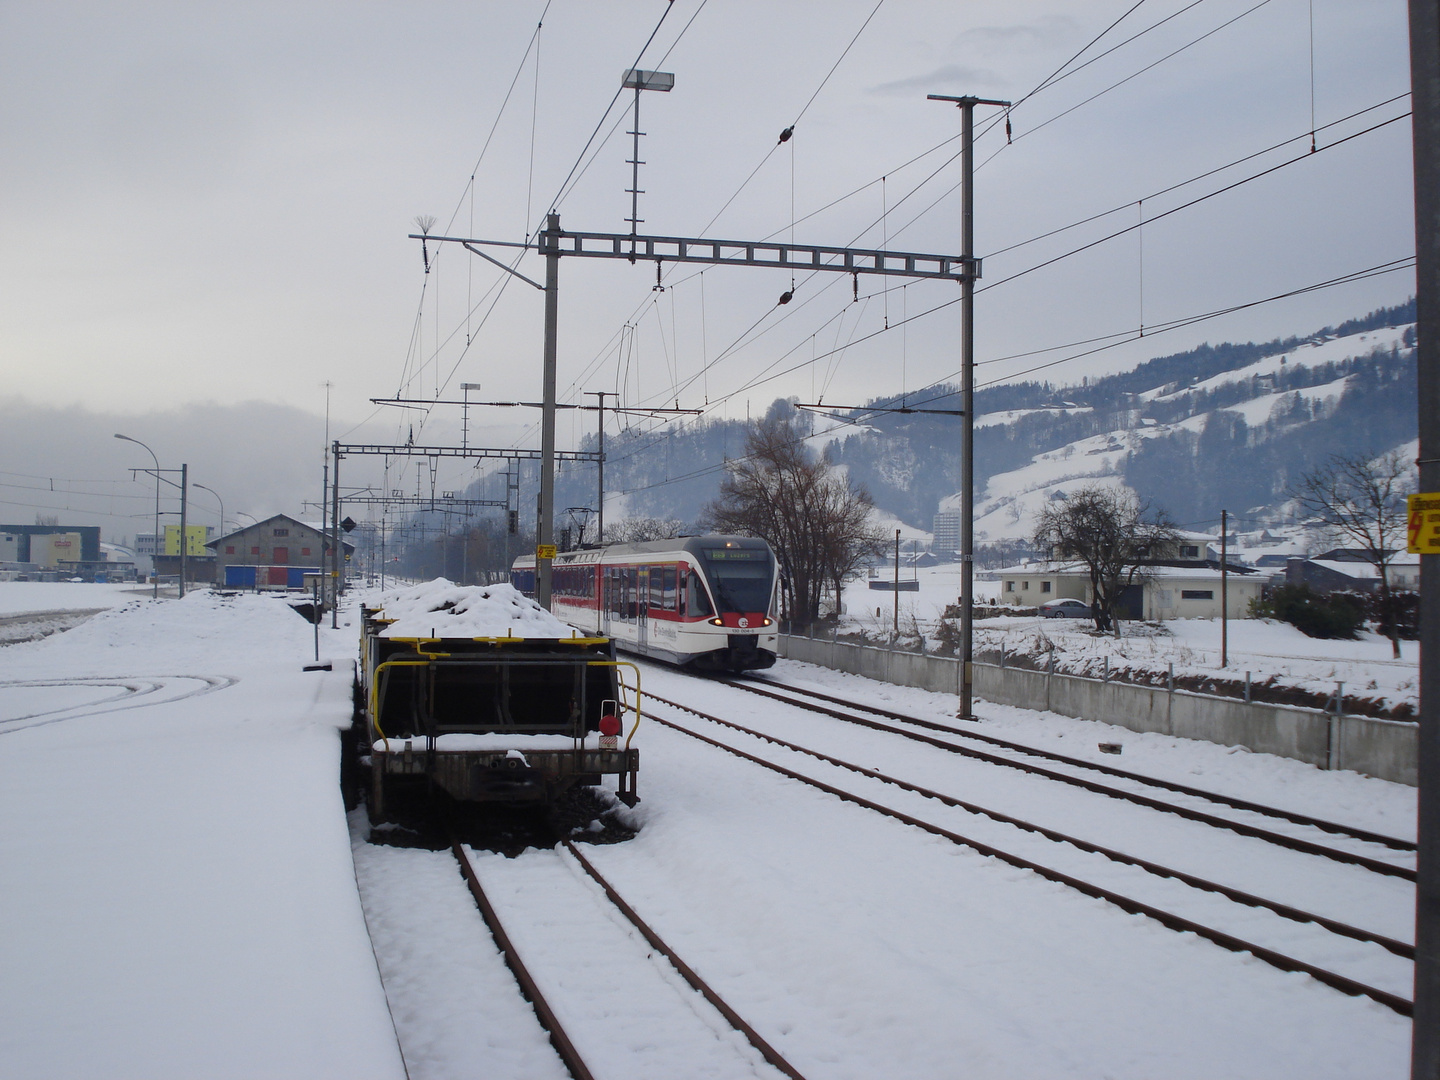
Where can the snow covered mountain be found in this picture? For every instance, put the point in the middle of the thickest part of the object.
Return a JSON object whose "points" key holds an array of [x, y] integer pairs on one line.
{"points": [[1220, 427], [1226, 426]]}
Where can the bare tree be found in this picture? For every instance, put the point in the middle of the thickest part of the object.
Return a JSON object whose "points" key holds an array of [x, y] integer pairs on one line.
{"points": [[810, 513], [1113, 533], [1361, 503], [642, 529]]}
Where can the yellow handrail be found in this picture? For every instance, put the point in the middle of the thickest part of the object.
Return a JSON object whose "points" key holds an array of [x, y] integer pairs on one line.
{"points": [[374, 696]]}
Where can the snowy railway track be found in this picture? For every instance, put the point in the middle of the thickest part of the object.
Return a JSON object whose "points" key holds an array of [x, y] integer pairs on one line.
{"points": [[804, 698], [676, 1018], [1323, 937]]}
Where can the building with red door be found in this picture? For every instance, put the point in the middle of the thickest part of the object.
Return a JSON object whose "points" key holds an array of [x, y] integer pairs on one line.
{"points": [[274, 553]]}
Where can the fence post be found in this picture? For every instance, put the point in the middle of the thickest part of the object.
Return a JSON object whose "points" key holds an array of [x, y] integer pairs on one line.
{"points": [[1106, 677], [1333, 753], [1247, 688], [1002, 656]]}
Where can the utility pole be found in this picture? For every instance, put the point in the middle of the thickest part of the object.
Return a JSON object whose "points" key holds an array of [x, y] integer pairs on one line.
{"points": [[1224, 589], [1425, 101], [967, 395], [895, 632], [545, 536], [600, 462], [335, 539], [184, 539]]}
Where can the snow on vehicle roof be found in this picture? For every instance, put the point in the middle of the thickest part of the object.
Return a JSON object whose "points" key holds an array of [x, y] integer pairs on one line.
{"points": [[442, 609]]}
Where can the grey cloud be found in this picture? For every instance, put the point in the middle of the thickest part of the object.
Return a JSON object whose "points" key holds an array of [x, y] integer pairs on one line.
{"points": [[945, 77]]}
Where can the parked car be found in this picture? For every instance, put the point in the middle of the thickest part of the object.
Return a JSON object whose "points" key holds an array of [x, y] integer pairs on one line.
{"points": [[1066, 609]]}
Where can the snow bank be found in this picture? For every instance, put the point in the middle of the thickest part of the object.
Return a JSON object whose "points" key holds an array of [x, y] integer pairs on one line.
{"points": [[443, 609]]}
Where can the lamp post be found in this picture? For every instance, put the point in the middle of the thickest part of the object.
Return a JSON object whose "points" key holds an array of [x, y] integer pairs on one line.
{"points": [[221, 501], [218, 499], [154, 567]]}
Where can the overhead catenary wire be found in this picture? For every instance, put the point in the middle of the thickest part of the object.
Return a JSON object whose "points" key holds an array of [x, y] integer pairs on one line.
{"points": [[1055, 77], [1118, 338]]}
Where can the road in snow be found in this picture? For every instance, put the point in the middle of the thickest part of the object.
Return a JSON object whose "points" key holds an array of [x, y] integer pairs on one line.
{"points": [[223, 934]]}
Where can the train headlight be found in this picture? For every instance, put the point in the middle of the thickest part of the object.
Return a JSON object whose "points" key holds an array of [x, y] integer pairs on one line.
{"points": [[717, 621], [766, 622]]}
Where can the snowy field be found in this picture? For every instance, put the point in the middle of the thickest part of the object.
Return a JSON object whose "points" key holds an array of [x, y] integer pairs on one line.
{"points": [[1269, 650], [26, 597], [182, 901]]}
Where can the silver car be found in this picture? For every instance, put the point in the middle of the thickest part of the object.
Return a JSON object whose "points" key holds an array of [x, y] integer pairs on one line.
{"points": [[1066, 609]]}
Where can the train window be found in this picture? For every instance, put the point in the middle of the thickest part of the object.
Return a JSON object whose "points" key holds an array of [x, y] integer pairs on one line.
{"points": [[667, 588], [657, 587], [697, 602]]}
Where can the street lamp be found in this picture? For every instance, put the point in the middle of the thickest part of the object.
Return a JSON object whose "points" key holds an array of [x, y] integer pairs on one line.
{"points": [[154, 566], [221, 501]]}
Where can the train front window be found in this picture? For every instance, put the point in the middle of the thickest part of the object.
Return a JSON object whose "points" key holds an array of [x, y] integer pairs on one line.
{"points": [[742, 579]]}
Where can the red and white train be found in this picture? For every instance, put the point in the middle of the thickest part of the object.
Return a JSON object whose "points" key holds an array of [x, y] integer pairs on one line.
{"points": [[705, 602]]}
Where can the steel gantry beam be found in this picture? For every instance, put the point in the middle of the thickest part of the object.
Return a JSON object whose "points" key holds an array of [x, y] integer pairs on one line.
{"points": [[776, 255], [553, 242], [346, 449]]}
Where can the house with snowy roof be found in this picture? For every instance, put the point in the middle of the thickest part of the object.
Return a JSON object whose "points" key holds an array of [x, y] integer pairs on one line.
{"points": [[1162, 592]]}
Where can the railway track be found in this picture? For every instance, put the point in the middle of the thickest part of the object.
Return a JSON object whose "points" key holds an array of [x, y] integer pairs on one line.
{"points": [[1013, 755], [573, 930], [1323, 937]]}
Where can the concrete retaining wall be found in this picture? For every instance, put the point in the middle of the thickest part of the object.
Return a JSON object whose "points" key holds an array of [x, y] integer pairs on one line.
{"points": [[1382, 748]]}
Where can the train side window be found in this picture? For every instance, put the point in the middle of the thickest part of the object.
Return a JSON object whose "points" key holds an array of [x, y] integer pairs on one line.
{"points": [[657, 587], [667, 588], [697, 602]]}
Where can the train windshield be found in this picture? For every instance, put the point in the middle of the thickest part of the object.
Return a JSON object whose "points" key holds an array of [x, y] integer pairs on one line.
{"points": [[742, 579]]}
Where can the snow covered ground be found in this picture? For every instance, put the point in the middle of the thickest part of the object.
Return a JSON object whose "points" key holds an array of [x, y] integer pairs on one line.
{"points": [[1269, 650], [23, 597], [178, 892], [181, 899]]}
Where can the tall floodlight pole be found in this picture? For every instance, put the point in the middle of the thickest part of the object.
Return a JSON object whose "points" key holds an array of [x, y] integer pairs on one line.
{"points": [[637, 80], [155, 546], [545, 538], [465, 388], [967, 394], [1425, 101]]}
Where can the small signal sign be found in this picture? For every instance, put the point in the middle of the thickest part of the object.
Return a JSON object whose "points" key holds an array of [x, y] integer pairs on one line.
{"points": [[1424, 531], [545, 551]]}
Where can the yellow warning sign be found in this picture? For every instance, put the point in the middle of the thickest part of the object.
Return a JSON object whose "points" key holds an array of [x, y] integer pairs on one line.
{"points": [[1424, 532], [547, 551]]}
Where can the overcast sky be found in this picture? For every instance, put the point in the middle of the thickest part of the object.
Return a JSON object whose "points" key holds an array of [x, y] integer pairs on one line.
{"points": [[209, 204]]}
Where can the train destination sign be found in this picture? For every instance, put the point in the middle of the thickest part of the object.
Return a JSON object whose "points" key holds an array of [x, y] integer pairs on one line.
{"points": [[1424, 531], [736, 554]]}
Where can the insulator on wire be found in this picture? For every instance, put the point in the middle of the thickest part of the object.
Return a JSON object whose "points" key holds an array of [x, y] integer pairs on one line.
{"points": [[785, 135], [785, 298], [1007, 127]]}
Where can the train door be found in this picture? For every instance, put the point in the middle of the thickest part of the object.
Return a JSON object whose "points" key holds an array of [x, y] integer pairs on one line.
{"points": [[642, 605]]}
